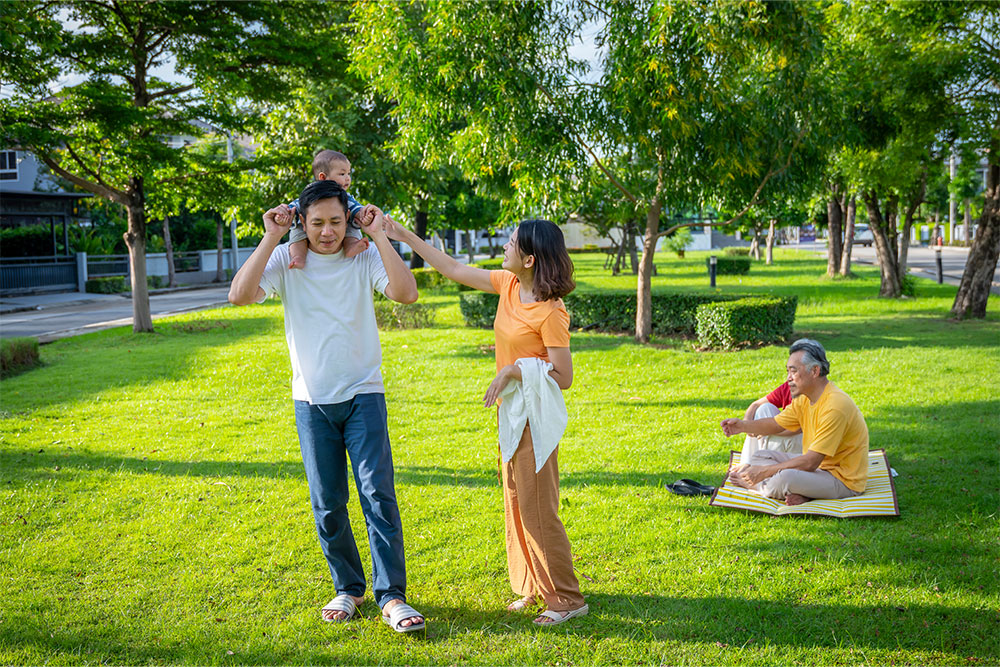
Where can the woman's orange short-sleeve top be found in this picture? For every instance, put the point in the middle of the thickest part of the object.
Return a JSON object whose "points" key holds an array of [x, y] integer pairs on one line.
{"points": [[525, 329]]}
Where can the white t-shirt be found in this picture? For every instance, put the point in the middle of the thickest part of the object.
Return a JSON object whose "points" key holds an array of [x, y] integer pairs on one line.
{"points": [[330, 322]]}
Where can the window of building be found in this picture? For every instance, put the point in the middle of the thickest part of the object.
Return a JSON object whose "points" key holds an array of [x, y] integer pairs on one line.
{"points": [[8, 165]]}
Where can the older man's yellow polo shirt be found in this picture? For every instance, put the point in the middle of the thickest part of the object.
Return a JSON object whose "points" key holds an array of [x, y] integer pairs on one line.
{"points": [[834, 427]]}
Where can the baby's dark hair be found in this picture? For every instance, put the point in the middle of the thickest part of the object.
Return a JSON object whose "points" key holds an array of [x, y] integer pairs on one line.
{"points": [[318, 190], [323, 162], [553, 267]]}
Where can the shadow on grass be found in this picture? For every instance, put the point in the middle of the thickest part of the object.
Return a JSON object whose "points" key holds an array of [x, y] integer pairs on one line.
{"points": [[81, 367], [919, 330], [25, 466], [737, 625]]}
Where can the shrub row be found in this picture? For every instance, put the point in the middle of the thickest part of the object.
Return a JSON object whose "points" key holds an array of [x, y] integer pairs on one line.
{"points": [[615, 311], [730, 266], [738, 252], [731, 325], [429, 278], [494, 264], [17, 355], [118, 284], [392, 315]]}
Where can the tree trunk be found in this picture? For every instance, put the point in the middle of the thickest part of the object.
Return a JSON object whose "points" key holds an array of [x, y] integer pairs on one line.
{"points": [[620, 255], [644, 297], [770, 241], [169, 246], [470, 247], [974, 290], [845, 257], [220, 242], [885, 249], [631, 248], [903, 248], [135, 239], [755, 242], [967, 223], [834, 218], [420, 229], [493, 245]]}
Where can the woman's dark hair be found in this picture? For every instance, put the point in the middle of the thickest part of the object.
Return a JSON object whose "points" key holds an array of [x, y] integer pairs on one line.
{"points": [[318, 190], [553, 267]]}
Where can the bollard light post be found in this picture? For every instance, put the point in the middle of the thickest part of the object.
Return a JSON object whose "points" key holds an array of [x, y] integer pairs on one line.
{"points": [[711, 270], [940, 266]]}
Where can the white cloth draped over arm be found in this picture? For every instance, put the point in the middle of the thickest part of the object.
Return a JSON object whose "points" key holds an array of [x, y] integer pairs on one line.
{"points": [[535, 400]]}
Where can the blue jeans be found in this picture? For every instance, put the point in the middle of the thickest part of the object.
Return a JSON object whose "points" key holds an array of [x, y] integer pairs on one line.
{"points": [[327, 434]]}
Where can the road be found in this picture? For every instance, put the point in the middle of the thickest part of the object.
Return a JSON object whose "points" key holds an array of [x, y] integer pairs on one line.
{"points": [[54, 320], [921, 262]]}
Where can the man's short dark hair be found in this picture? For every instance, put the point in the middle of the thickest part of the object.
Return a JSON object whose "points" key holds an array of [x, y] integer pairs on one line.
{"points": [[813, 354], [318, 190]]}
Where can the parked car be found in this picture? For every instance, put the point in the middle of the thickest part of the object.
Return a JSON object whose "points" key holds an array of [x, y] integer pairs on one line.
{"points": [[863, 235]]}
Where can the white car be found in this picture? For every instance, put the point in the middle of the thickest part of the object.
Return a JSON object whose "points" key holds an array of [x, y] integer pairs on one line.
{"points": [[863, 235]]}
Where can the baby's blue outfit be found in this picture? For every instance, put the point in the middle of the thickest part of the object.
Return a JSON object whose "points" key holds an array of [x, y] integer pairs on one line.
{"points": [[298, 232]]}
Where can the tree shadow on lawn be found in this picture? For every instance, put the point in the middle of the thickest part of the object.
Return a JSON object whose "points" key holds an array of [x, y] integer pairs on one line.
{"points": [[908, 556], [909, 330], [730, 623], [119, 358], [25, 466]]}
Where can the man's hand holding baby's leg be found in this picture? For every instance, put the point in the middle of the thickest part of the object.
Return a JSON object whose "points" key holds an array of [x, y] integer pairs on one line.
{"points": [[298, 252], [354, 247]]}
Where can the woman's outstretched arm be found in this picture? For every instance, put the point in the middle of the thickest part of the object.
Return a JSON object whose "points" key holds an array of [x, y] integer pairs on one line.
{"points": [[450, 268]]}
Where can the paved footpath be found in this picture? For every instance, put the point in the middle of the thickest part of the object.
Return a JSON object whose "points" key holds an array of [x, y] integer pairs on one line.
{"points": [[50, 317]]}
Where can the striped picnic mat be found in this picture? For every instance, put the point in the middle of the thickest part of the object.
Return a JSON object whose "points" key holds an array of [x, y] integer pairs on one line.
{"points": [[879, 498]]}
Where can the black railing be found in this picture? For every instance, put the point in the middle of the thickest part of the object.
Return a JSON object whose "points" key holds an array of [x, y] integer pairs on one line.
{"points": [[34, 273]]}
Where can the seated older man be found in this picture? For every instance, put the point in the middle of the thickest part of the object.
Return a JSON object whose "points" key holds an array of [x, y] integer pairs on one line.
{"points": [[834, 462]]}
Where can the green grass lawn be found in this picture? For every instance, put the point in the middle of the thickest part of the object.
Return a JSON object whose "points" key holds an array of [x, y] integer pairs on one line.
{"points": [[153, 507]]}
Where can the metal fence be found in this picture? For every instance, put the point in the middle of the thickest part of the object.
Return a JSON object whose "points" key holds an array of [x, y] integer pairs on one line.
{"points": [[99, 266], [33, 273]]}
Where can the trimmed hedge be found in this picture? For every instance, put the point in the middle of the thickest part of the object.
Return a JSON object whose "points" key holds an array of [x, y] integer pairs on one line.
{"points": [[107, 285], [478, 308], [118, 284], [429, 278], [392, 315], [729, 266], [18, 355], [738, 252], [615, 311], [731, 325], [673, 313], [494, 264]]}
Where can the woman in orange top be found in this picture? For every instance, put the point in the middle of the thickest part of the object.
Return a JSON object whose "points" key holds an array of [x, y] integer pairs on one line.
{"points": [[531, 321]]}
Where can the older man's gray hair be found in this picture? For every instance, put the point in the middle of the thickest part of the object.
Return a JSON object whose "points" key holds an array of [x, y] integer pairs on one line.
{"points": [[813, 354]]}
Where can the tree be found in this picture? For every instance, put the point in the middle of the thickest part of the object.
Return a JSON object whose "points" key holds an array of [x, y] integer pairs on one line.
{"points": [[106, 134], [697, 94], [904, 69], [974, 290]]}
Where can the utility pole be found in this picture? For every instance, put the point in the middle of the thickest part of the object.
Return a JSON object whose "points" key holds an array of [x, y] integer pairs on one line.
{"points": [[952, 200]]}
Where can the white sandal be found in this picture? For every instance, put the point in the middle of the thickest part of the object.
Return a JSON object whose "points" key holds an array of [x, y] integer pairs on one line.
{"points": [[523, 603], [561, 616], [401, 612], [342, 603]]}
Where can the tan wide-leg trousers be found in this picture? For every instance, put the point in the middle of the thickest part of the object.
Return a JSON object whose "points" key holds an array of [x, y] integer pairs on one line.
{"points": [[538, 552]]}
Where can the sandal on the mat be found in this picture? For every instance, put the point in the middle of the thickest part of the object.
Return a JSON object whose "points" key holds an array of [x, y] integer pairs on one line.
{"points": [[401, 612], [522, 604], [561, 616], [343, 603]]}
